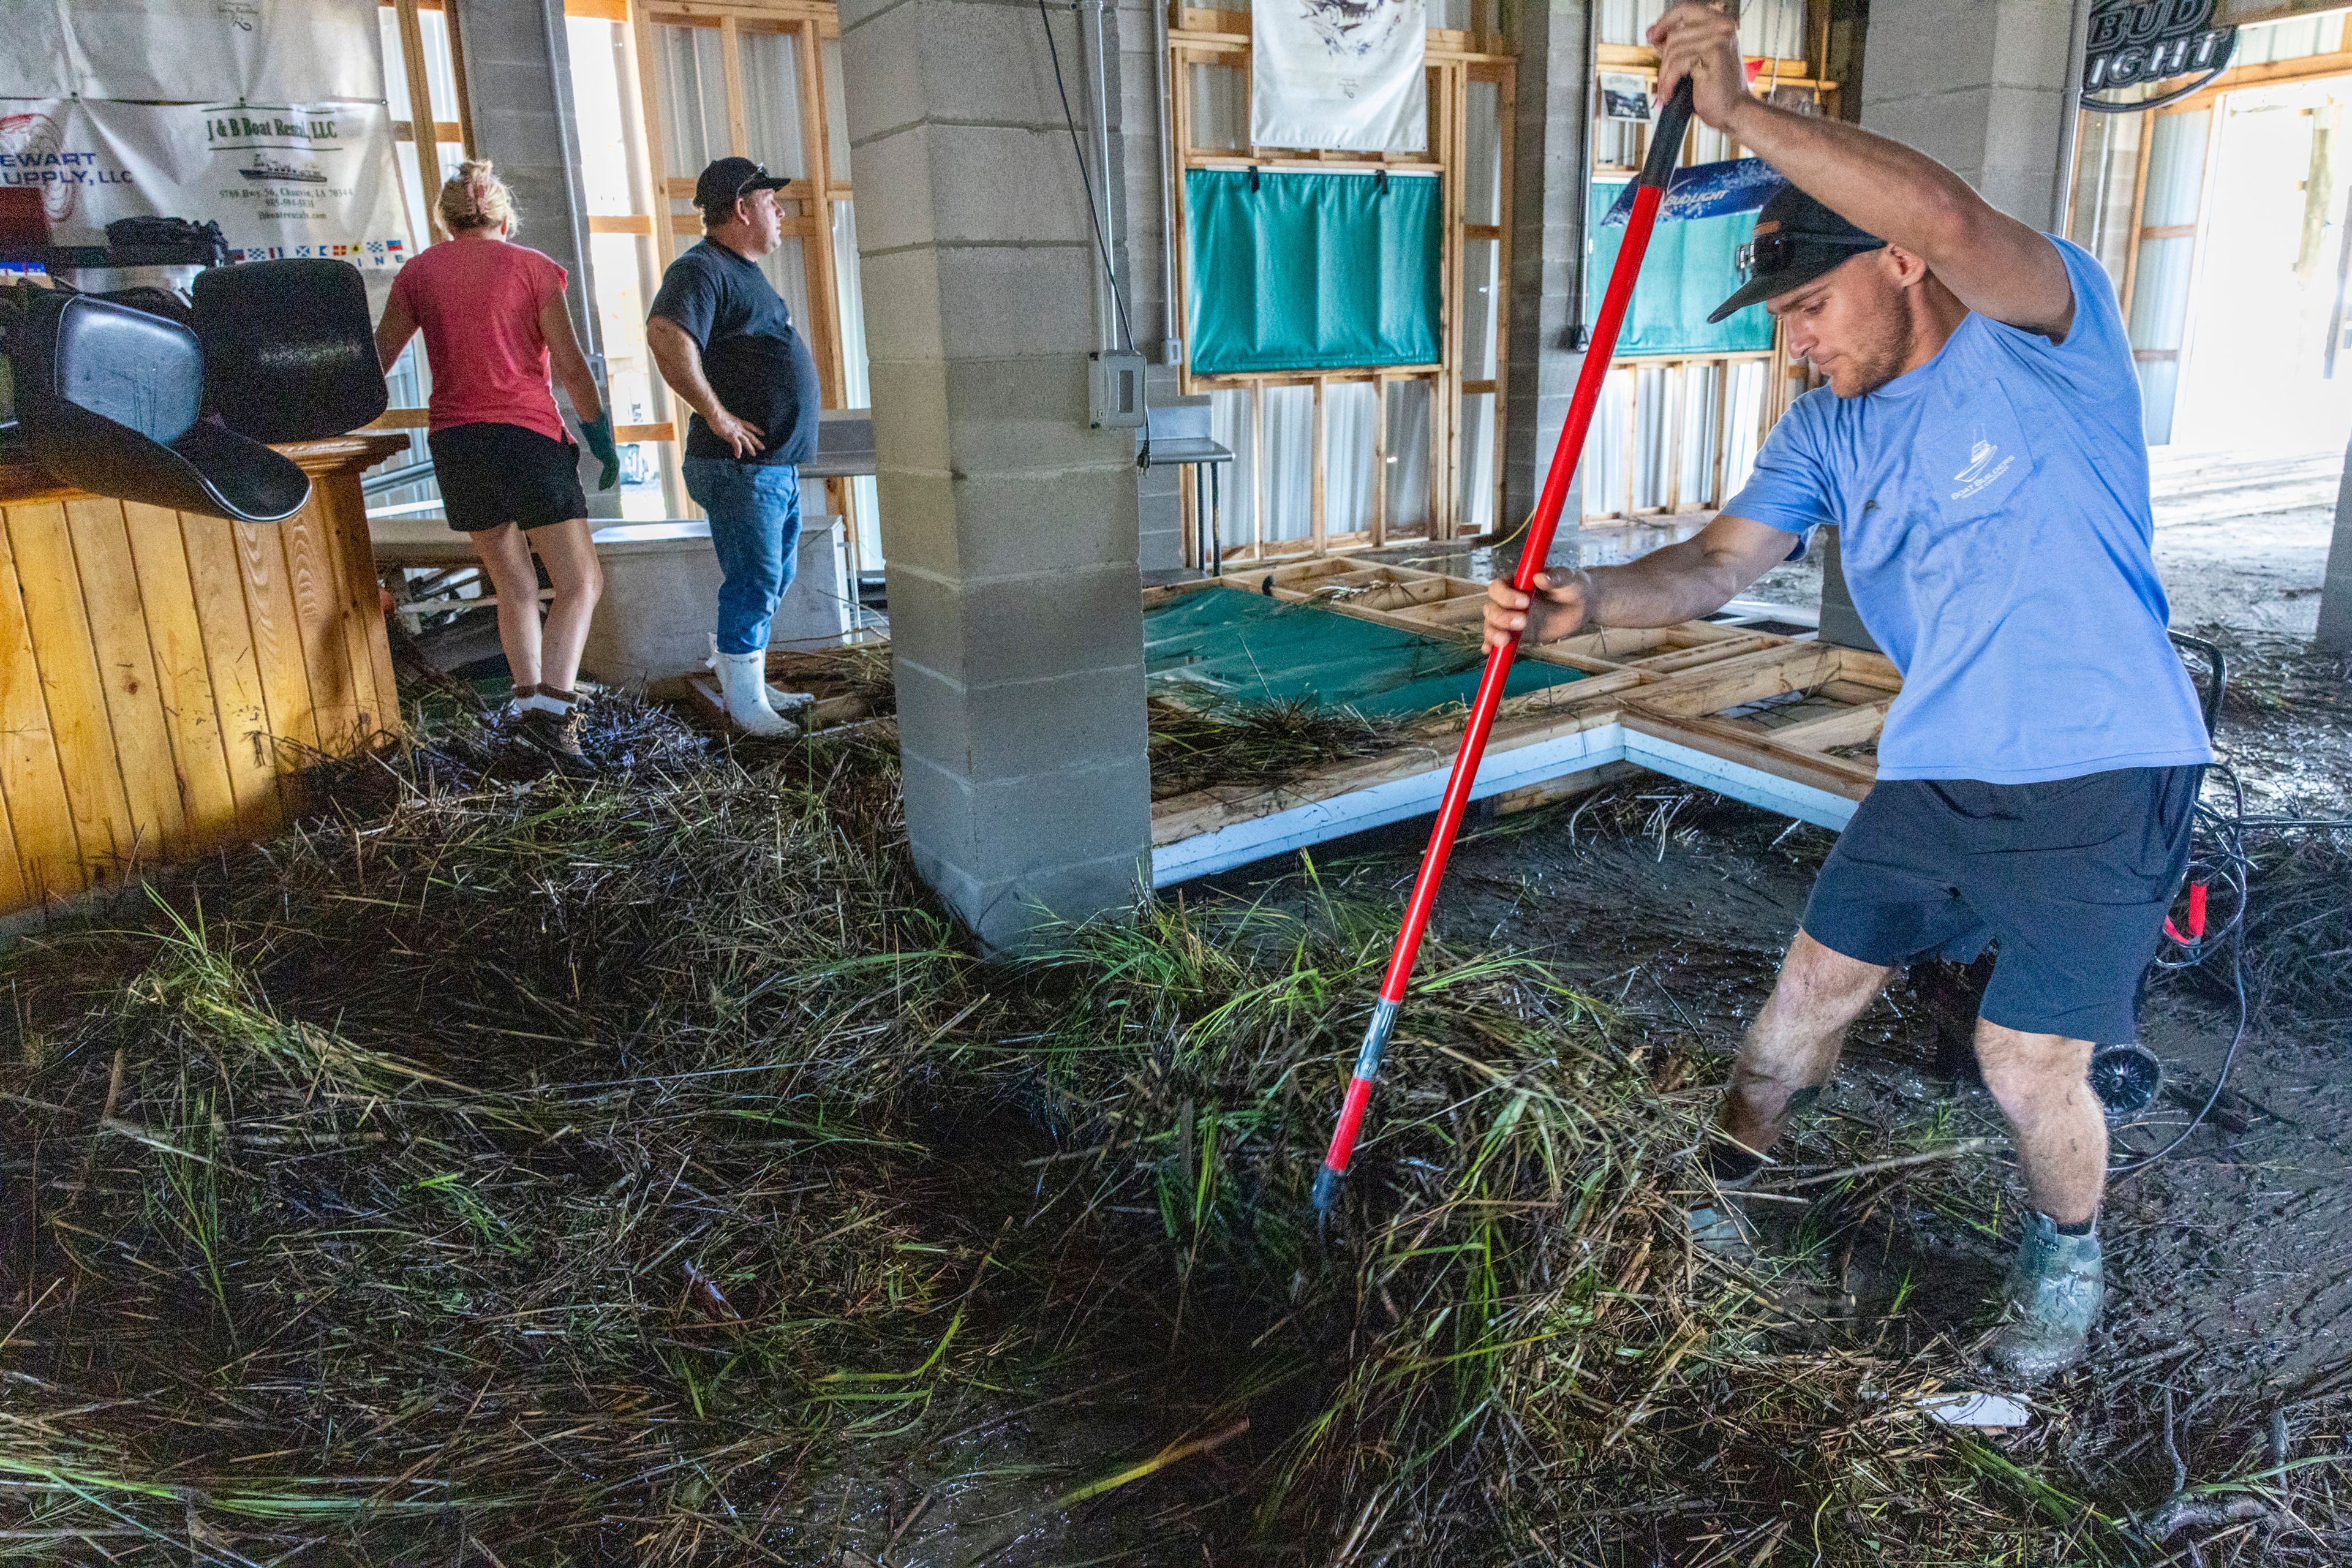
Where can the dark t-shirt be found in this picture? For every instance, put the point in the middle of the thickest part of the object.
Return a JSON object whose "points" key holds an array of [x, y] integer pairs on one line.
{"points": [[755, 360]]}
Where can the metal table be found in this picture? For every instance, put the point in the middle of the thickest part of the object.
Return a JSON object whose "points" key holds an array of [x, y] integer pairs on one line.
{"points": [[1208, 508]]}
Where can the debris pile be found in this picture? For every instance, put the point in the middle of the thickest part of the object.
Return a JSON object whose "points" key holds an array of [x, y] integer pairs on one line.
{"points": [[647, 1172]]}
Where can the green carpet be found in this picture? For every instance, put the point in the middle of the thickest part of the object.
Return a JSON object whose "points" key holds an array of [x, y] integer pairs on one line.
{"points": [[1252, 648]]}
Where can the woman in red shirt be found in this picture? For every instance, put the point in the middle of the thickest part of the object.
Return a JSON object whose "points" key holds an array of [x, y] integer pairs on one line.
{"points": [[495, 322]]}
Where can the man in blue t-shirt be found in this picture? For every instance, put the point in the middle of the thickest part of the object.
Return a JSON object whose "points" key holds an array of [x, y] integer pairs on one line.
{"points": [[723, 339], [1979, 448]]}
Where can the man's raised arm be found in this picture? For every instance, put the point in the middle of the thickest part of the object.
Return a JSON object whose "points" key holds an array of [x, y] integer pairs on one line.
{"points": [[1997, 266]]}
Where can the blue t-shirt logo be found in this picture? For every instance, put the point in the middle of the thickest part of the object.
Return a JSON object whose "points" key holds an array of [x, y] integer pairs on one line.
{"points": [[1982, 470], [2010, 577]]}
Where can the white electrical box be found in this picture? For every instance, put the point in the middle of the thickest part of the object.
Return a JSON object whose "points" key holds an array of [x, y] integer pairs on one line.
{"points": [[1115, 391]]}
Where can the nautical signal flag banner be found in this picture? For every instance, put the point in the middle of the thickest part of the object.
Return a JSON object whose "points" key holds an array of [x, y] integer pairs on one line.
{"points": [[1342, 74], [291, 180]]}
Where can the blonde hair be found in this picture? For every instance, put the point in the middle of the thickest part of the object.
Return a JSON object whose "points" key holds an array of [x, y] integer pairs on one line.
{"points": [[474, 197]]}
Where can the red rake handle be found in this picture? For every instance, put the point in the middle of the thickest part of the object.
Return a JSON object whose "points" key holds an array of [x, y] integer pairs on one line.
{"points": [[1665, 149]]}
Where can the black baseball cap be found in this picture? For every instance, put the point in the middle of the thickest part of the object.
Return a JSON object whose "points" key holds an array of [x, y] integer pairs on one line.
{"points": [[1797, 240], [723, 180]]}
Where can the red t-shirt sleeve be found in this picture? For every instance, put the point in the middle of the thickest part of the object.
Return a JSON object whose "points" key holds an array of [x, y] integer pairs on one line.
{"points": [[547, 278]]}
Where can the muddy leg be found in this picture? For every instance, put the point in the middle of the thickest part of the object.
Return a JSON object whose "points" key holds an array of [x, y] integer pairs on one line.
{"points": [[1793, 1047], [2043, 1084]]}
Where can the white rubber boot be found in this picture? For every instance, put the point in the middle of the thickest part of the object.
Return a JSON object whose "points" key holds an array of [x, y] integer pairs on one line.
{"points": [[743, 687]]}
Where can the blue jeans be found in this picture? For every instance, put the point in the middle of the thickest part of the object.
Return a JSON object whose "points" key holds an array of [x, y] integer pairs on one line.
{"points": [[755, 527]]}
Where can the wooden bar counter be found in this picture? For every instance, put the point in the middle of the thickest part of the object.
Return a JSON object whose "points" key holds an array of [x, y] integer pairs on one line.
{"points": [[164, 675]]}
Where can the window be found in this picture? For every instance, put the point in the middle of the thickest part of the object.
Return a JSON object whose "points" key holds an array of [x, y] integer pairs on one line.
{"points": [[661, 90], [420, 60]]}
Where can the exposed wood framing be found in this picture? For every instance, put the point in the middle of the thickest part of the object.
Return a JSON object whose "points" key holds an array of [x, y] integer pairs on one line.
{"points": [[1456, 58], [427, 149], [1773, 719]]}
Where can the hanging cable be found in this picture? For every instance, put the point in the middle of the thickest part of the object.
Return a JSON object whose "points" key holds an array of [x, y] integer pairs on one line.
{"points": [[1086, 177], [1094, 214], [2228, 866]]}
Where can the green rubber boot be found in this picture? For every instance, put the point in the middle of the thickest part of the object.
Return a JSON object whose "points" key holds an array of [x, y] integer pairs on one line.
{"points": [[1719, 1223], [2055, 1289]]}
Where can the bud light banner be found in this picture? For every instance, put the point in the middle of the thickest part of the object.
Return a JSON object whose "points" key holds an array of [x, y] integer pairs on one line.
{"points": [[293, 180], [1704, 189], [1342, 74], [192, 51]]}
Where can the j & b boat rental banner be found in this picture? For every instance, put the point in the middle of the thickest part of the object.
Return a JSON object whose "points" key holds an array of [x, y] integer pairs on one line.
{"points": [[294, 180]]}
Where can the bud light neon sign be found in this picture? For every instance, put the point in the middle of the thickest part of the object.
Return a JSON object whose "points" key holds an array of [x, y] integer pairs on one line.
{"points": [[2135, 42]]}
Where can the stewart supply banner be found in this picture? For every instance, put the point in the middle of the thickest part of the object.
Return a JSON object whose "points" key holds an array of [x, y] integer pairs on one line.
{"points": [[192, 51], [297, 180], [1342, 74]]}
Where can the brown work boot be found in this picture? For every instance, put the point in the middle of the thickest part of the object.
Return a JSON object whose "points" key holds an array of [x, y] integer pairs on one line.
{"points": [[557, 737]]}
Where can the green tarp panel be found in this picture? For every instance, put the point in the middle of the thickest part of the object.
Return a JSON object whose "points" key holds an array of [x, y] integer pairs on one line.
{"points": [[1688, 271], [1231, 643], [1313, 271]]}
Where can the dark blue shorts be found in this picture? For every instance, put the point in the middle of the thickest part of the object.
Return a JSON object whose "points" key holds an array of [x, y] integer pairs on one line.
{"points": [[492, 474], [2070, 879]]}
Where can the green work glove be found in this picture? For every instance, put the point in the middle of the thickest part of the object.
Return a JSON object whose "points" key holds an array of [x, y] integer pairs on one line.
{"points": [[598, 434]]}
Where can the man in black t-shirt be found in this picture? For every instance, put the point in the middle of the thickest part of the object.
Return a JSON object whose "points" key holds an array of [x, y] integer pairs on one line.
{"points": [[723, 339]]}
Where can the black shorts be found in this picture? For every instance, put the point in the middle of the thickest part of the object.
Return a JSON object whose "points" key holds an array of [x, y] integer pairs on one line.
{"points": [[492, 474], [2070, 878]]}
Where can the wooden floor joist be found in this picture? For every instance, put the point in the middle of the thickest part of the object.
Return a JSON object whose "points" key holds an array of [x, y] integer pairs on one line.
{"points": [[1787, 723]]}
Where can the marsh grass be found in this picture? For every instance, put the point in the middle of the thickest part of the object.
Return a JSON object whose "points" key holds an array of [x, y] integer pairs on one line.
{"points": [[1201, 742], [649, 1175]]}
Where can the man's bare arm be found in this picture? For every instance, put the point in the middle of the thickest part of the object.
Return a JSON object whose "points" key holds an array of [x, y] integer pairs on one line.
{"points": [[1997, 266], [1664, 588], [679, 359]]}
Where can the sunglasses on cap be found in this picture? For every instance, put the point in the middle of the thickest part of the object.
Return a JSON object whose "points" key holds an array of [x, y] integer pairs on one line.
{"points": [[1774, 252]]}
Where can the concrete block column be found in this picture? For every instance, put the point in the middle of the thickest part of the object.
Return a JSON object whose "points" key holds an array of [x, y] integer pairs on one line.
{"points": [[1547, 233], [1139, 131], [1980, 87], [1010, 528]]}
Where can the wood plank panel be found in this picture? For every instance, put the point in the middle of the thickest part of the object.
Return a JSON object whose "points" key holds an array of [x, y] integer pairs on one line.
{"points": [[216, 581], [277, 635], [343, 512], [1848, 777], [45, 858], [1844, 727], [100, 538], [73, 691], [319, 623], [1712, 688], [184, 681]]}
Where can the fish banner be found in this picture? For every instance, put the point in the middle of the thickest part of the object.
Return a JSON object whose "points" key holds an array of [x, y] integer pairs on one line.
{"points": [[1342, 74], [311, 180], [192, 51]]}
